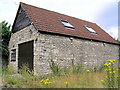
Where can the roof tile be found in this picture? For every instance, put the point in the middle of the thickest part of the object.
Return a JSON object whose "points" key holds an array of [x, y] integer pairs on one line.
{"points": [[45, 20]]}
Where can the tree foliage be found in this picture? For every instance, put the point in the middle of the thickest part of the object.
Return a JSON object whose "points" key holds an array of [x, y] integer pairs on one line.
{"points": [[118, 40], [5, 37]]}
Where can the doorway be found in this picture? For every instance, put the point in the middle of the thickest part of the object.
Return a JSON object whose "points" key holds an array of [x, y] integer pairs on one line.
{"points": [[25, 55]]}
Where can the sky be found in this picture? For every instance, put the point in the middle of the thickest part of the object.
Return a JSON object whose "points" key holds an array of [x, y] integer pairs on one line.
{"points": [[102, 12]]}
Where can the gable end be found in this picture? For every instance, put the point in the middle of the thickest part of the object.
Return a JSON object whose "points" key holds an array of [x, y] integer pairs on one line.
{"points": [[22, 20]]}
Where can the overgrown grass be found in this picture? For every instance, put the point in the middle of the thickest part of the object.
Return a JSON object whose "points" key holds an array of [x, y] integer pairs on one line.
{"points": [[71, 77]]}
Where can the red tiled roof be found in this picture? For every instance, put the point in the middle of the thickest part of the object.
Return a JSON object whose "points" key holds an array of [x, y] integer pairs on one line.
{"points": [[48, 21]]}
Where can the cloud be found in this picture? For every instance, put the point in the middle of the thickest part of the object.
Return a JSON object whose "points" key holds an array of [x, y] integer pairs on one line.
{"points": [[113, 31]]}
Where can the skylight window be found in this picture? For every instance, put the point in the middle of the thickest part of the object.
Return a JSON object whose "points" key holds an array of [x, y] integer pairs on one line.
{"points": [[90, 29], [67, 24]]}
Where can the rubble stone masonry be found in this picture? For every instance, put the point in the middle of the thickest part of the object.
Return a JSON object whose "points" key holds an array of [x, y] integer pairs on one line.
{"points": [[62, 50]]}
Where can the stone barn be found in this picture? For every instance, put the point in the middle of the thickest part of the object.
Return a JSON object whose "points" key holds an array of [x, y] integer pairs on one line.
{"points": [[39, 35]]}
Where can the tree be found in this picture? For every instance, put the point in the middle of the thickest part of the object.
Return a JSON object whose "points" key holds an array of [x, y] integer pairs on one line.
{"points": [[118, 40], [5, 33]]}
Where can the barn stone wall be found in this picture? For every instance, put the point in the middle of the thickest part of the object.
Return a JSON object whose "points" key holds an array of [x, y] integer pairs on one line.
{"points": [[27, 34], [61, 49]]}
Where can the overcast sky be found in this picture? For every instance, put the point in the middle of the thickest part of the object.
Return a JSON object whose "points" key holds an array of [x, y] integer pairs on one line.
{"points": [[102, 12]]}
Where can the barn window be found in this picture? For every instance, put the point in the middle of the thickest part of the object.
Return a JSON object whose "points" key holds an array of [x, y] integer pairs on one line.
{"points": [[67, 24], [90, 29], [13, 55]]}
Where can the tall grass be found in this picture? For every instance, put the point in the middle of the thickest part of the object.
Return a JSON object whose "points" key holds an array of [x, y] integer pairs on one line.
{"points": [[76, 69], [55, 68], [74, 76]]}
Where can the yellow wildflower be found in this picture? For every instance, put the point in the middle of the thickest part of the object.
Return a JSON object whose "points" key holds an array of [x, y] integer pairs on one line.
{"points": [[113, 60], [114, 71], [108, 69], [42, 80], [47, 80], [102, 80], [66, 82], [35, 39], [106, 77], [88, 70], [50, 82], [46, 83], [110, 72], [106, 64]]}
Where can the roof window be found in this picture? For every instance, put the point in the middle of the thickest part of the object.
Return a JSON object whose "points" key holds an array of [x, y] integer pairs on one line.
{"points": [[67, 24], [90, 29]]}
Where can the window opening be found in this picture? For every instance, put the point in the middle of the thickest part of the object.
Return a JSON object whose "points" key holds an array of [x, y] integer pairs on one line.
{"points": [[67, 24], [90, 29], [13, 55]]}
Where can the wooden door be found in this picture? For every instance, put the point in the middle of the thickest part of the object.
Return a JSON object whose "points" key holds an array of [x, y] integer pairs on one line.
{"points": [[25, 54]]}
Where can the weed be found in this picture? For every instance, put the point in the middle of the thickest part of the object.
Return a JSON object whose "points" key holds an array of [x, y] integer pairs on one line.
{"points": [[66, 70], [101, 68], [55, 68], [110, 80], [66, 83]]}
